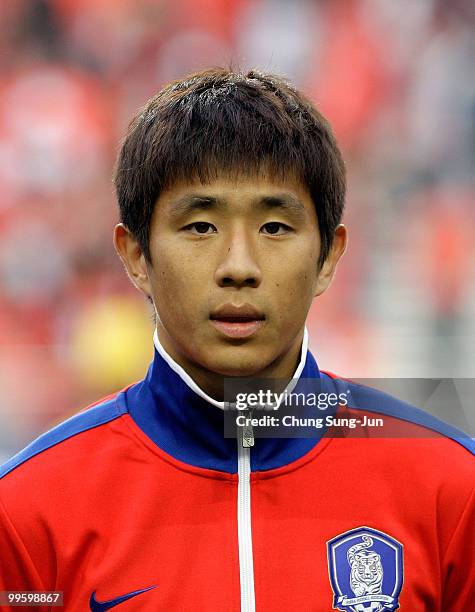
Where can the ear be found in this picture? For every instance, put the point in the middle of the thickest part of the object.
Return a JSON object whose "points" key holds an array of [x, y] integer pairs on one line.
{"points": [[132, 257], [327, 271]]}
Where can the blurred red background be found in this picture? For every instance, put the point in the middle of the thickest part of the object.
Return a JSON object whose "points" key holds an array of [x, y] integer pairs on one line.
{"points": [[392, 77]]}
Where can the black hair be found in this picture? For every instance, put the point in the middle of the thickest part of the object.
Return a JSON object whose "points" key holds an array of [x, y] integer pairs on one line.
{"points": [[221, 120]]}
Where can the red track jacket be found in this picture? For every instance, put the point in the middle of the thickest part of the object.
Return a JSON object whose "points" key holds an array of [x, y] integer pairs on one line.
{"points": [[140, 503]]}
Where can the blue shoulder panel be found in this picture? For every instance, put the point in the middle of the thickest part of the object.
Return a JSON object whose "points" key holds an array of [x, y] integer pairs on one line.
{"points": [[374, 400], [93, 417]]}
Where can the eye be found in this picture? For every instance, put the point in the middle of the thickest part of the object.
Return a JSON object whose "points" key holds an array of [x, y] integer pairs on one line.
{"points": [[201, 227], [274, 228]]}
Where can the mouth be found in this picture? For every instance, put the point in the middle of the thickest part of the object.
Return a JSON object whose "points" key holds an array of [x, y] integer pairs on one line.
{"points": [[237, 321]]}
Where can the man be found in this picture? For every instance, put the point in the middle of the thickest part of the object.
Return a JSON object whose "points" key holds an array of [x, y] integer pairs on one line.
{"points": [[231, 190]]}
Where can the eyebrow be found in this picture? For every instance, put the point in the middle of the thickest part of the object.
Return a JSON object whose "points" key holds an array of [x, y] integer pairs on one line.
{"points": [[286, 202], [190, 203]]}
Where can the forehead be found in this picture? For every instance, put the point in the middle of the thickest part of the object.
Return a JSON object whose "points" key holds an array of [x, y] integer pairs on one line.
{"points": [[240, 191]]}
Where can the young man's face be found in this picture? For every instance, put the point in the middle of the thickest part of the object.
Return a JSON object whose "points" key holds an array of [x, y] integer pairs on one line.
{"points": [[233, 272]]}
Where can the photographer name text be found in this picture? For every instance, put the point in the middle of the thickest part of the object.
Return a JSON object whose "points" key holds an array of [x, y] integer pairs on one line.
{"points": [[318, 423]]}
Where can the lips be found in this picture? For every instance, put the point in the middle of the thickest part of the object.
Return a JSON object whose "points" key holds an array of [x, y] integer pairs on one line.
{"points": [[237, 321]]}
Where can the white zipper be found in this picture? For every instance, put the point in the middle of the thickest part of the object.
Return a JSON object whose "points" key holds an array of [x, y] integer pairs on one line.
{"points": [[245, 441], [246, 563]]}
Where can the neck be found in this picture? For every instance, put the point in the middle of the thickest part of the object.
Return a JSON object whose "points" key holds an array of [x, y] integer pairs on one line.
{"points": [[211, 384]]}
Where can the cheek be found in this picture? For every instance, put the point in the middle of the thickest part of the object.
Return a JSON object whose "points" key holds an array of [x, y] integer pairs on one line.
{"points": [[175, 269], [170, 279], [295, 282], [292, 304], [180, 286]]}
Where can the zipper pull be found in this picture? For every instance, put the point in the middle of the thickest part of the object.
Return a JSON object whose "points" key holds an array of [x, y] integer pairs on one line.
{"points": [[247, 433]]}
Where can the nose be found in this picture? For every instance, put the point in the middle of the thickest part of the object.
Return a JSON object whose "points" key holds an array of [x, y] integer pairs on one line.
{"points": [[238, 266]]}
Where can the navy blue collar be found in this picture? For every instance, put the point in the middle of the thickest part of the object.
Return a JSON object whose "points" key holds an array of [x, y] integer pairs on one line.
{"points": [[189, 425]]}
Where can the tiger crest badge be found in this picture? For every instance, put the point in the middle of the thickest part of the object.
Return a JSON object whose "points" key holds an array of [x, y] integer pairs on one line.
{"points": [[366, 570]]}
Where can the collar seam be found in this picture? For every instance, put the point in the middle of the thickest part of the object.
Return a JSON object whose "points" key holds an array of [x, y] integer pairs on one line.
{"points": [[191, 384]]}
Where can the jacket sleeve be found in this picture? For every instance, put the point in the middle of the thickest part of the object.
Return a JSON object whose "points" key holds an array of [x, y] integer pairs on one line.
{"points": [[459, 563], [17, 570]]}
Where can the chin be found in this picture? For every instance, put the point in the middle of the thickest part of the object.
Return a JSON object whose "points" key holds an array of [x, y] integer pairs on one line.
{"points": [[235, 362], [237, 371]]}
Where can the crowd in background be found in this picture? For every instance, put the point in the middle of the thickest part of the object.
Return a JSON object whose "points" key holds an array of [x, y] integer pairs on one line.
{"points": [[395, 78]]}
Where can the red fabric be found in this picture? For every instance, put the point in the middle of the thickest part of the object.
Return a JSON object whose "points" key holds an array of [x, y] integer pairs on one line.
{"points": [[108, 511]]}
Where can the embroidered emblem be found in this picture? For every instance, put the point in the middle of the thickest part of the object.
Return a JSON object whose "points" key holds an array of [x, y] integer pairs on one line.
{"points": [[366, 570]]}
